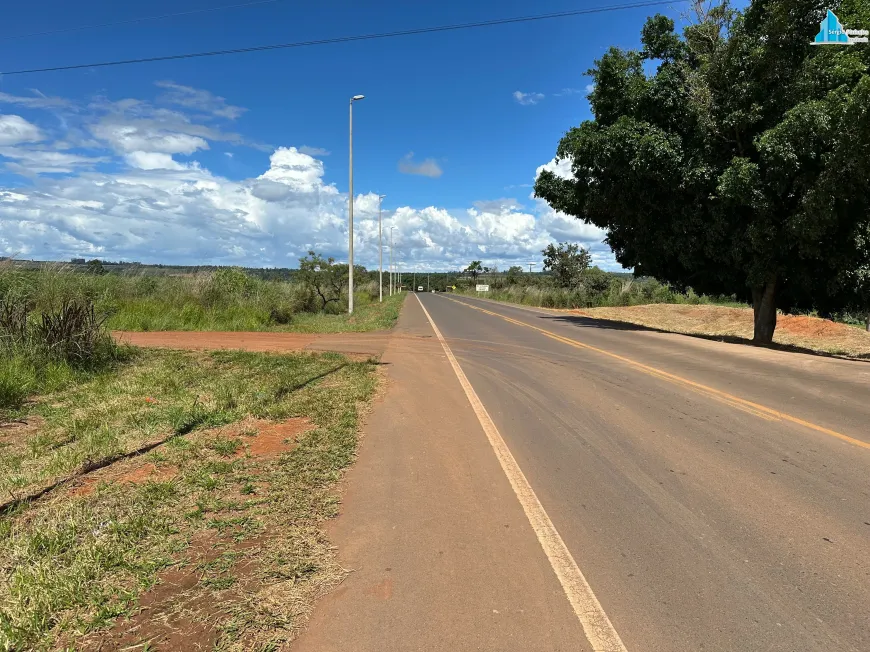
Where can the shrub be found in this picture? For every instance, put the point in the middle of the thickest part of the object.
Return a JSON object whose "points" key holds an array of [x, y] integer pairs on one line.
{"points": [[47, 349], [280, 315], [74, 333], [226, 285]]}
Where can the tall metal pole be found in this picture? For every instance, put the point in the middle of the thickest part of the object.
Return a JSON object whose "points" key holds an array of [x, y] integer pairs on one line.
{"points": [[350, 220], [380, 254], [350, 207]]}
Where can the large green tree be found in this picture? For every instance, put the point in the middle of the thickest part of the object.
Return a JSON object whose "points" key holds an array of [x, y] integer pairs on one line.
{"points": [[740, 165], [566, 262]]}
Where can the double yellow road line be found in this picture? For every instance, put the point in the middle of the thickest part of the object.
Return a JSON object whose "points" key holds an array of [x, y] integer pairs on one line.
{"points": [[756, 409]]}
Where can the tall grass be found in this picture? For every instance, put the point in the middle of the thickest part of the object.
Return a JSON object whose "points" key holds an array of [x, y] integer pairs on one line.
{"points": [[226, 299], [597, 291], [47, 349]]}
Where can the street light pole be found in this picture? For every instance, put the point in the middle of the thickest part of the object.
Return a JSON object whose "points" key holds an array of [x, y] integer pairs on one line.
{"points": [[350, 209], [380, 254]]}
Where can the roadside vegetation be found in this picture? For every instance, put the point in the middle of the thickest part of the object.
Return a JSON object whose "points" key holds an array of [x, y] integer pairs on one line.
{"points": [[159, 466], [128, 473], [568, 281], [722, 157], [225, 299], [52, 349]]}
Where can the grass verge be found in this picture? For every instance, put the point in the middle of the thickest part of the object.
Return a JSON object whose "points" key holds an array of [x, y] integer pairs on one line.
{"points": [[368, 315], [149, 314], [242, 527]]}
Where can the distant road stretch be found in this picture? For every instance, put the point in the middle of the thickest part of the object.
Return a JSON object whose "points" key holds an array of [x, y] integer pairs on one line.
{"points": [[714, 496]]}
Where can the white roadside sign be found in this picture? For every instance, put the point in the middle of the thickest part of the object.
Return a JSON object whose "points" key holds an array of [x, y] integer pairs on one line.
{"points": [[483, 288]]}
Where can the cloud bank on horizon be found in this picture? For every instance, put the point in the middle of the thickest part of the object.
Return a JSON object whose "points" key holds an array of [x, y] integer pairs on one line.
{"points": [[111, 183]]}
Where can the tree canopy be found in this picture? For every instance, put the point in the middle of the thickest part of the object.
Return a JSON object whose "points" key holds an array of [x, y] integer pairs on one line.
{"points": [[566, 262], [514, 274], [474, 269], [741, 165], [324, 276]]}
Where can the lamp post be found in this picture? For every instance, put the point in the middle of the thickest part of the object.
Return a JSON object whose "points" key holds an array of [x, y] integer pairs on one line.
{"points": [[355, 98], [380, 254]]}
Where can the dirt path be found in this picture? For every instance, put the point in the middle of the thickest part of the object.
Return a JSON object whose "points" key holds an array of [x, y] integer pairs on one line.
{"points": [[360, 344]]}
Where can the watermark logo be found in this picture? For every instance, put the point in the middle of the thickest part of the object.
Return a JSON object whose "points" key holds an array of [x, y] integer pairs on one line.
{"points": [[831, 32]]}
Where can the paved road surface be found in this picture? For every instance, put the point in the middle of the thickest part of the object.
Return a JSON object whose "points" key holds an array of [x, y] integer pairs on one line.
{"points": [[714, 496]]}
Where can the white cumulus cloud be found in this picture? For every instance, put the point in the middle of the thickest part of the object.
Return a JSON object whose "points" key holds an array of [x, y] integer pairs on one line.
{"points": [[153, 161], [15, 130], [426, 168], [121, 194], [527, 99]]}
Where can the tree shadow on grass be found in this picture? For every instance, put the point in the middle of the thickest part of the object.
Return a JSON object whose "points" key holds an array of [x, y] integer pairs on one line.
{"points": [[610, 324]]}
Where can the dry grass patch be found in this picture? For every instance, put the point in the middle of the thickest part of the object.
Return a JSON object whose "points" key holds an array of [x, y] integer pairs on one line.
{"points": [[812, 333], [212, 537]]}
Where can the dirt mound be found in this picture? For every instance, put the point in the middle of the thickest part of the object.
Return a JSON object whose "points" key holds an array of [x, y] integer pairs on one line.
{"points": [[813, 326]]}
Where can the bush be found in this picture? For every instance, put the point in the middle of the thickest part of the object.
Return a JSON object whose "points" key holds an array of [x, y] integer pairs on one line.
{"points": [[301, 299], [226, 285], [280, 315], [45, 350], [595, 288]]}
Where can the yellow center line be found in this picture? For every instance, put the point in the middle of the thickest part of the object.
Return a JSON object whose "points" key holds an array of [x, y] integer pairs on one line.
{"points": [[756, 409]]}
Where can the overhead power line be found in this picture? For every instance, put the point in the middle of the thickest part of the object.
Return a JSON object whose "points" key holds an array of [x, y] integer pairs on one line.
{"points": [[133, 21], [348, 39]]}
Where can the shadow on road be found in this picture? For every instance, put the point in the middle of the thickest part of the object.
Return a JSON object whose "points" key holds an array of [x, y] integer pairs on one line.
{"points": [[608, 324]]}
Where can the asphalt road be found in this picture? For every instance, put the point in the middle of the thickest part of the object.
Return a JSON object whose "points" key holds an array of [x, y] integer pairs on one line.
{"points": [[715, 496]]}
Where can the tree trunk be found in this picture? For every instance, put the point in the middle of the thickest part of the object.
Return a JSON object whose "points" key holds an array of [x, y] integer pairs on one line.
{"points": [[764, 310], [867, 319]]}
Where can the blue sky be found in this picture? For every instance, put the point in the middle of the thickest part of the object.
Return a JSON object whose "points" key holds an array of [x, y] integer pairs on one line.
{"points": [[243, 159]]}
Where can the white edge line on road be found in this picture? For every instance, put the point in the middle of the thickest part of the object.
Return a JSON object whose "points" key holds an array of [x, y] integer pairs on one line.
{"points": [[599, 630]]}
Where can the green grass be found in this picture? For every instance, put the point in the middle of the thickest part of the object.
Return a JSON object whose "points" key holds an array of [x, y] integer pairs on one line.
{"points": [[158, 315], [70, 564], [368, 315], [223, 300], [51, 350], [607, 292]]}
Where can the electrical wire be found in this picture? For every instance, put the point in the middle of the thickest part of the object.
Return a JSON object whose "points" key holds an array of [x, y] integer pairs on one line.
{"points": [[348, 39], [133, 21]]}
